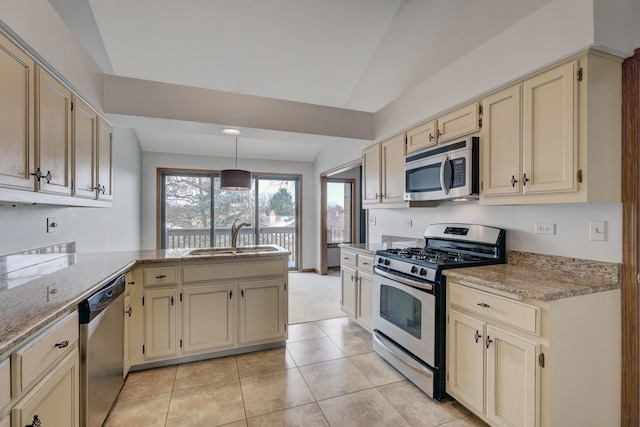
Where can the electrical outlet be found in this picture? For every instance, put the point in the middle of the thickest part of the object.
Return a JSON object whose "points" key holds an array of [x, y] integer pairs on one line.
{"points": [[597, 230], [52, 225], [408, 223], [372, 220], [545, 228]]}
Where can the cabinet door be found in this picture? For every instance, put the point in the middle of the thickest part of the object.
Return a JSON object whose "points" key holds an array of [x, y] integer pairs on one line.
{"points": [[348, 291], [422, 136], [6, 421], [365, 300], [128, 312], [54, 400], [501, 142], [84, 145], [207, 314], [105, 166], [511, 380], [160, 323], [262, 311], [460, 122], [465, 360], [371, 175], [550, 136], [53, 135], [393, 152], [16, 117]]}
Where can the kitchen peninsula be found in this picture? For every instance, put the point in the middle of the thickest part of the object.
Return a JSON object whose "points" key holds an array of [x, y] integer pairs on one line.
{"points": [[41, 290]]}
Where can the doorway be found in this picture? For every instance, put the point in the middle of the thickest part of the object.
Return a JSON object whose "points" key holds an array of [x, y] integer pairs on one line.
{"points": [[340, 212]]}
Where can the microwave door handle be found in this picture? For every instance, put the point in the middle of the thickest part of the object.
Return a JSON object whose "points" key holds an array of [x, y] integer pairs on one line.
{"points": [[443, 167]]}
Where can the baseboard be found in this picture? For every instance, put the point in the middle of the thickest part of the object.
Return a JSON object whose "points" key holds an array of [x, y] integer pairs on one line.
{"points": [[309, 270]]}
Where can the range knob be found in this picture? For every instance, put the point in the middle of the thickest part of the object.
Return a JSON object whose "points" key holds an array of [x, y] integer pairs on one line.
{"points": [[387, 262], [423, 272], [414, 269], [380, 260]]}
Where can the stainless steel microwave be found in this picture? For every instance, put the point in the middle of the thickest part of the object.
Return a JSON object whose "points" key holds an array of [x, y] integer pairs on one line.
{"points": [[447, 171]]}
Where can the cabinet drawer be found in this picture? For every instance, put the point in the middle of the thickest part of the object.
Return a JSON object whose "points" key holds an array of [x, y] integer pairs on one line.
{"points": [[519, 315], [365, 263], [160, 276], [5, 383], [31, 361], [348, 258]]}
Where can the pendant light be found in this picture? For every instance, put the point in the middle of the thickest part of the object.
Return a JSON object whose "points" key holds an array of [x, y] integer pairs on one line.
{"points": [[235, 179]]}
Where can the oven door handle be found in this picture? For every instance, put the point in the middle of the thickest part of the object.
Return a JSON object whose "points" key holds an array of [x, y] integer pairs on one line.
{"points": [[403, 280], [443, 167]]}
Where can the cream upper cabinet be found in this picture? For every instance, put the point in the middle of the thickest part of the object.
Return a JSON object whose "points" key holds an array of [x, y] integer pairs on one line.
{"points": [[53, 134], [455, 124], [84, 146], [371, 167], [208, 317], [263, 311], [104, 162], [393, 152], [383, 173], [501, 147], [555, 137], [550, 131], [16, 117], [423, 136]]}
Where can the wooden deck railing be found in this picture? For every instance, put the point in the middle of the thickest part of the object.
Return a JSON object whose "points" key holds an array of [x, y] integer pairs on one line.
{"points": [[286, 237]]}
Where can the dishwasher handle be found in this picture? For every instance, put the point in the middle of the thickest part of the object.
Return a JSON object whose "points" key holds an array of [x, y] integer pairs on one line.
{"points": [[91, 307]]}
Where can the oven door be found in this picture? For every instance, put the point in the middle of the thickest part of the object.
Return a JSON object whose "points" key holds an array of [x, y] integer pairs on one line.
{"points": [[405, 314]]}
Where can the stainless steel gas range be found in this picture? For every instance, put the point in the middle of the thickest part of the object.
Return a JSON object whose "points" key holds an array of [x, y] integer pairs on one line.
{"points": [[409, 300]]}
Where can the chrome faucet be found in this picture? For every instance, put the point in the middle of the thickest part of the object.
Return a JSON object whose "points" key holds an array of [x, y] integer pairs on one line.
{"points": [[235, 229]]}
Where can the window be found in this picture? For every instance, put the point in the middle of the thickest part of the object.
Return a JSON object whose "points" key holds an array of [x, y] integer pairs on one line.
{"points": [[195, 213], [340, 207]]}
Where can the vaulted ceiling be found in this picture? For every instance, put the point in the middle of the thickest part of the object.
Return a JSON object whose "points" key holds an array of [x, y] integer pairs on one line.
{"points": [[352, 54]]}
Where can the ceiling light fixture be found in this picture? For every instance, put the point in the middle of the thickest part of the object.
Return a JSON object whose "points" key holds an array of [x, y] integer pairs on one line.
{"points": [[231, 131], [235, 179]]}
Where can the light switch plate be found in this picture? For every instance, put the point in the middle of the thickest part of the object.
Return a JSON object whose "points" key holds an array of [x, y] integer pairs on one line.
{"points": [[597, 230], [372, 220], [408, 223]]}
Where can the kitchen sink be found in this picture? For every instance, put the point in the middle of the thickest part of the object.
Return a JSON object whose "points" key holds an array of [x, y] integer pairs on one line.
{"points": [[233, 251]]}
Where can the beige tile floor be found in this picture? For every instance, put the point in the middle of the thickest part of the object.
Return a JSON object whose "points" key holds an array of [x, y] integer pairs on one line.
{"points": [[328, 375]]}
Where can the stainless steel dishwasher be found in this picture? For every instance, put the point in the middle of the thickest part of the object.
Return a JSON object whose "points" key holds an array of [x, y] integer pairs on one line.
{"points": [[101, 351]]}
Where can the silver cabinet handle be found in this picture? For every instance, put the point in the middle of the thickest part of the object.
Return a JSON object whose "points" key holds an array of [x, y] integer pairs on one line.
{"points": [[477, 337], [483, 305]]}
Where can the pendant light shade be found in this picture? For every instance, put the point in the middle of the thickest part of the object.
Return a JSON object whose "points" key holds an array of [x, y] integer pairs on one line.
{"points": [[235, 179]]}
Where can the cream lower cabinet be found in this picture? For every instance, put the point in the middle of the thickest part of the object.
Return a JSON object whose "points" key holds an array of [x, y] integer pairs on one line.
{"points": [[507, 394], [556, 136], [54, 401], [198, 308], [208, 317], [356, 286], [520, 362], [262, 308], [160, 314]]}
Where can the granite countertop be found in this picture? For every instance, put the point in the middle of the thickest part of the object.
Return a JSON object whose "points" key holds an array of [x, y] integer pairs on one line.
{"points": [[27, 305], [543, 277]]}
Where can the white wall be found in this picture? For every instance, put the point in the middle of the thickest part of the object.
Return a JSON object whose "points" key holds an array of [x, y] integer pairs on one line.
{"points": [[93, 229], [571, 225], [310, 187]]}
